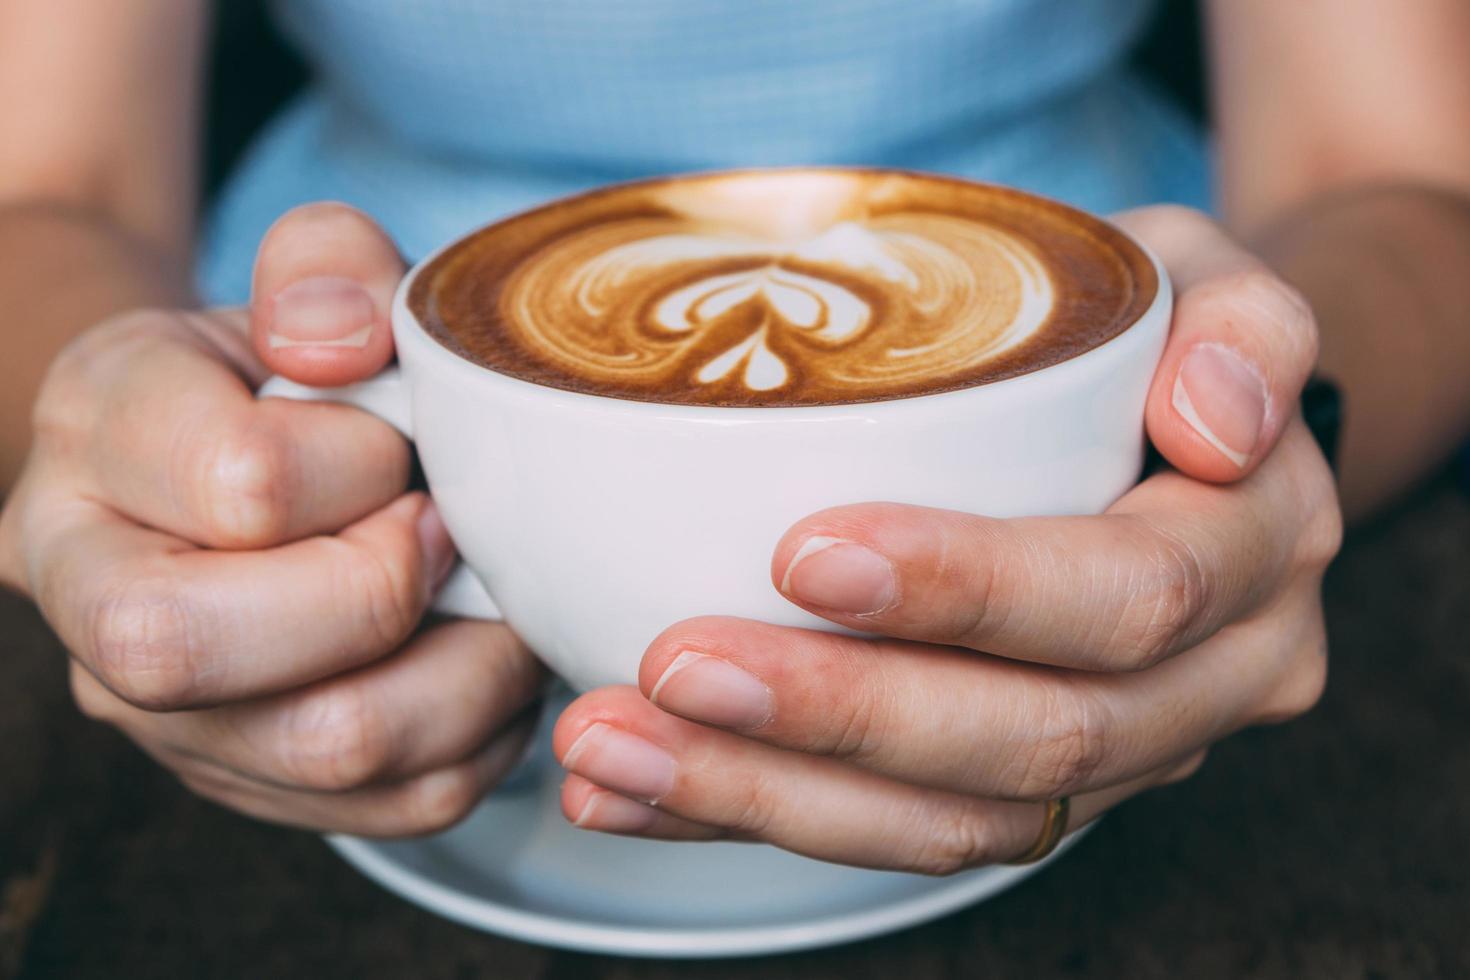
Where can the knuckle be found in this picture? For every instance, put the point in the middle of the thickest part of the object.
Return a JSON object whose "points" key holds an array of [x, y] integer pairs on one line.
{"points": [[246, 485], [854, 719], [1066, 751], [337, 740], [56, 417], [851, 737], [1321, 539], [390, 587], [440, 800], [958, 838], [143, 642], [752, 809], [1164, 607], [79, 370], [61, 413], [989, 591], [1184, 770], [1301, 686], [213, 787], [130, 326], [87, 693], [202, 786], [513, 667]]}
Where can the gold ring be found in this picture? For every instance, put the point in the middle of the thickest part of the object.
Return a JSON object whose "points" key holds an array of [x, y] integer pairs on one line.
{"points": [[1053, 829]]}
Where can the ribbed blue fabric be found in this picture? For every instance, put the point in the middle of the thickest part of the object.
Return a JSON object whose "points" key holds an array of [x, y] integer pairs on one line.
{"points": [[439, 115]]}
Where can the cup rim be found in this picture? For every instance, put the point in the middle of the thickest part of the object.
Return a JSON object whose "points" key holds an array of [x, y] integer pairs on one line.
{"points": [[405, 323]]}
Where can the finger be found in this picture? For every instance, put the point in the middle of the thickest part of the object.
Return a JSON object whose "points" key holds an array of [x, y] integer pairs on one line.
{"points": [[945, 719], [167, 627], [178, 442], [617, 740], [445, 693], [1171, 563], [323, 293], [425, 804], [606, 812], [1242, 345], [589, 806]]}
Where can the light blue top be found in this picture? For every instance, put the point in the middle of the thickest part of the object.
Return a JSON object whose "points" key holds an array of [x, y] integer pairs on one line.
{"points": [[438, 115]]}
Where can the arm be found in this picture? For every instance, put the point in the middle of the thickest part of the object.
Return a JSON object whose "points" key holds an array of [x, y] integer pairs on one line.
{"points": [[1345, 162], [97, 178]]}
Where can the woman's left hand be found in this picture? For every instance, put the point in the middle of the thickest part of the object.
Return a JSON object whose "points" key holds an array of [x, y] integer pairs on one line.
{"points": [[1027, 659]]}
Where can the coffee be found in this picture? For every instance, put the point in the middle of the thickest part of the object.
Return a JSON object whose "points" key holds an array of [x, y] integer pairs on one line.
{"points": [[779, 288]]}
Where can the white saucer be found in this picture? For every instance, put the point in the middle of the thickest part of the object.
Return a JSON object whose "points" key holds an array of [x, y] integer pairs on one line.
{"points": [[517, 868]]}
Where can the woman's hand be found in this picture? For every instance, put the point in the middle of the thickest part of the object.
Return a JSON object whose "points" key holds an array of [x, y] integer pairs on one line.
{"points": [[1029, 659], [240, 583]]}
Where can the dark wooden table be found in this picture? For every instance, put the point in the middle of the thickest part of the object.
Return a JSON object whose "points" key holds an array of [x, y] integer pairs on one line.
{"points": [[1335, 847]]}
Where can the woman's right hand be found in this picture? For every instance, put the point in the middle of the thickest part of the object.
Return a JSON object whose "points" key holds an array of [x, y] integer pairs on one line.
{"points": [[240, 583]]}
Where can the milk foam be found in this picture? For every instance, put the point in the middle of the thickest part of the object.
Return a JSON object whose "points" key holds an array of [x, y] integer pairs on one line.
{"points": [[887, 301], [784, 288]]}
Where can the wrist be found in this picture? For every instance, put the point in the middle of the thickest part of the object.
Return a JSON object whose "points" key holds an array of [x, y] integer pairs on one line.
{"points": [[63, 270], [1379, 269]]}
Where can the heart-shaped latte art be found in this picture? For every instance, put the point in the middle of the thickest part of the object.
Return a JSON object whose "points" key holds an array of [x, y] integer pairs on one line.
{"points": [[893, 300], [798, 287]]}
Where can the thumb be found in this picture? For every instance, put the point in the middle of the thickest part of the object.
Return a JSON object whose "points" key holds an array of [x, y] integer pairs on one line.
{"points": [[1241, 347], [319, 309]]}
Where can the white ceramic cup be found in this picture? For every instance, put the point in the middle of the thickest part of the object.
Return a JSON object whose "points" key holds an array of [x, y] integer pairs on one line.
{"points": [[596, 523]]}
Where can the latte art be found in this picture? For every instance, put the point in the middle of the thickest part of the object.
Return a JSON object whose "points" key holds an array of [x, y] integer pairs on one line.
{"points": [[890, 301], [784, 289]]}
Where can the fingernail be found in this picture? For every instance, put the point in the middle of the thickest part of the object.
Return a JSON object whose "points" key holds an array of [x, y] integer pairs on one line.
{"points": [[623, 762], [713, 691], [1223, 397], [435, 545], [322, 311], [615, 814], [840, 575]]}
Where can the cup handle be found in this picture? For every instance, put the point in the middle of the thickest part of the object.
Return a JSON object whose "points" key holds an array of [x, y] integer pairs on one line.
{"points": [[386, 396]]}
